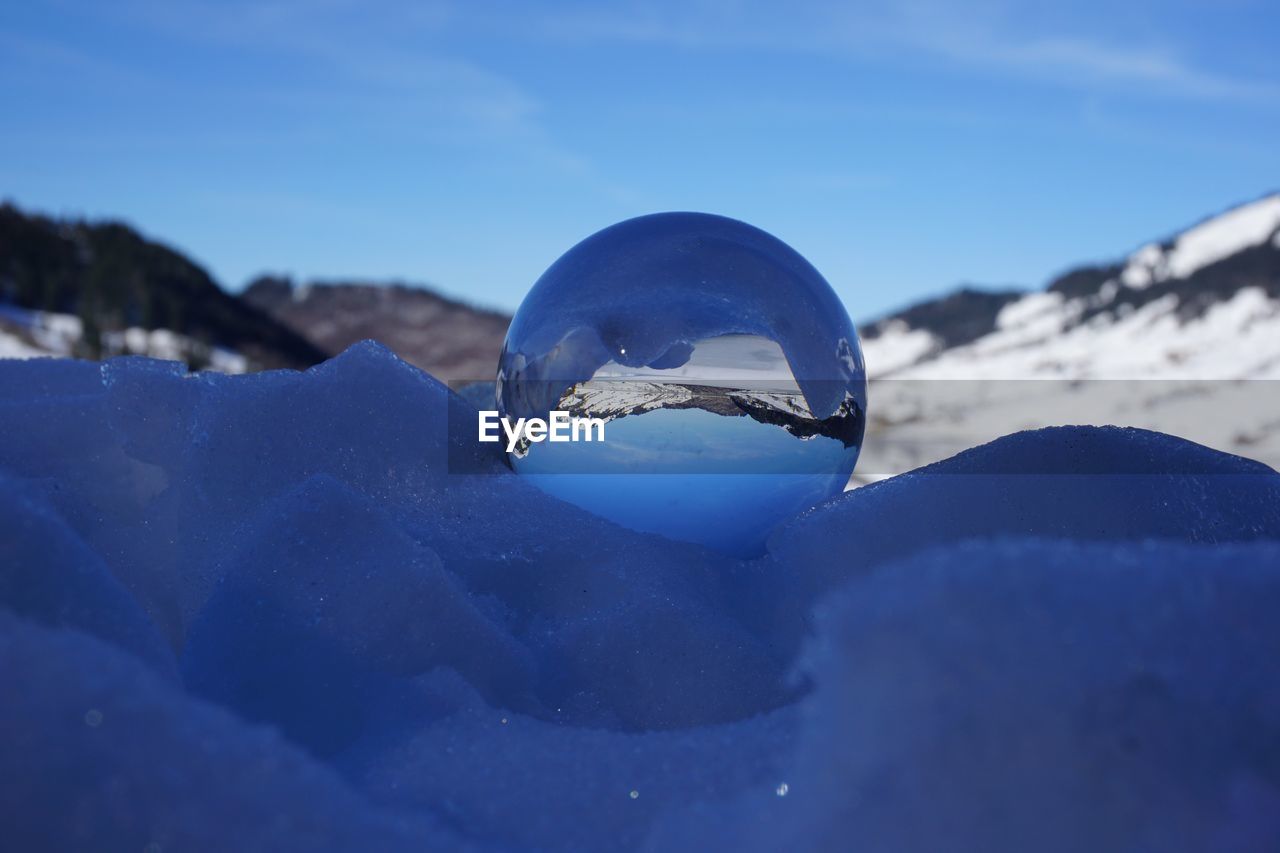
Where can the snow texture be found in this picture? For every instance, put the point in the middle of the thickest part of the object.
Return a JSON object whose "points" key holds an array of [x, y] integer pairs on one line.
{"points": [[297, 611]]}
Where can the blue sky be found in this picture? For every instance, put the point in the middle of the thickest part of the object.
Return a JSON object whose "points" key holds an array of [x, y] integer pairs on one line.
{"points": [[902, 147]]}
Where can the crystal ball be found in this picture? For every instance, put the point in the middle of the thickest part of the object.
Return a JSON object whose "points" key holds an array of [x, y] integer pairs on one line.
{"points": [[717, 377]]}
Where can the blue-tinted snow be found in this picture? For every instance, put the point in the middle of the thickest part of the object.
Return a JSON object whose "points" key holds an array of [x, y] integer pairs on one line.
{"points": [[1029, 695], [268, 612]]}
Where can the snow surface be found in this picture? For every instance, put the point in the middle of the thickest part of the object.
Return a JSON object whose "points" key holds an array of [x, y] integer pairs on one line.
{"points": [[296, 611]]}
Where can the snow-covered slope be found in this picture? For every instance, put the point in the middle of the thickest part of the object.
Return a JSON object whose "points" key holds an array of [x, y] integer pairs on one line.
{"points": [[1207, 243], [1190, 323], [1202, 304], [39, 334]]}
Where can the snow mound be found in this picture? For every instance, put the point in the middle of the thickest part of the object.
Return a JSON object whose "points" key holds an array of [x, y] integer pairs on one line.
{"points": [[1030, 695], [1076, 483], [297, 610]]}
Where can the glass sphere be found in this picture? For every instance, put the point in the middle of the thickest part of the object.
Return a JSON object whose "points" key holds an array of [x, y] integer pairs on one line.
{"points": [[726, 373]]}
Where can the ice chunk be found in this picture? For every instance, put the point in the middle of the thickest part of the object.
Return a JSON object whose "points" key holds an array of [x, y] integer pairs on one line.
{"points": [[53, 377]]}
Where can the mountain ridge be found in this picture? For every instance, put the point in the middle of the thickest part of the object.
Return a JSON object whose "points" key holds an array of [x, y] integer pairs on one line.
{"points": [[450, 339], [1213, 286], [1195, 278], [120, 287]]}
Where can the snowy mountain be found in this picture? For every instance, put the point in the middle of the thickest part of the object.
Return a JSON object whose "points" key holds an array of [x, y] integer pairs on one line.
{"points": [[1204, 303], [1175, 337]]}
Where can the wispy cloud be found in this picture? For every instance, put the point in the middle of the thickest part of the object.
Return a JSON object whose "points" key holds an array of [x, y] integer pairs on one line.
{"points": [[979, 35], [387, 67], [1155, 67], [339, 46]]}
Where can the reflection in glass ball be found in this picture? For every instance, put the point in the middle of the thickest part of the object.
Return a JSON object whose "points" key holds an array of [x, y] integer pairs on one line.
{"points": [[727, 372]]}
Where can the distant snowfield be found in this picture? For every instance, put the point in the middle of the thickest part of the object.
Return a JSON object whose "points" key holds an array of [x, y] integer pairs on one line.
{"points": [[43, 334], [1238, 338], [1206, 243], [1210, 379], [11, 346]]}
